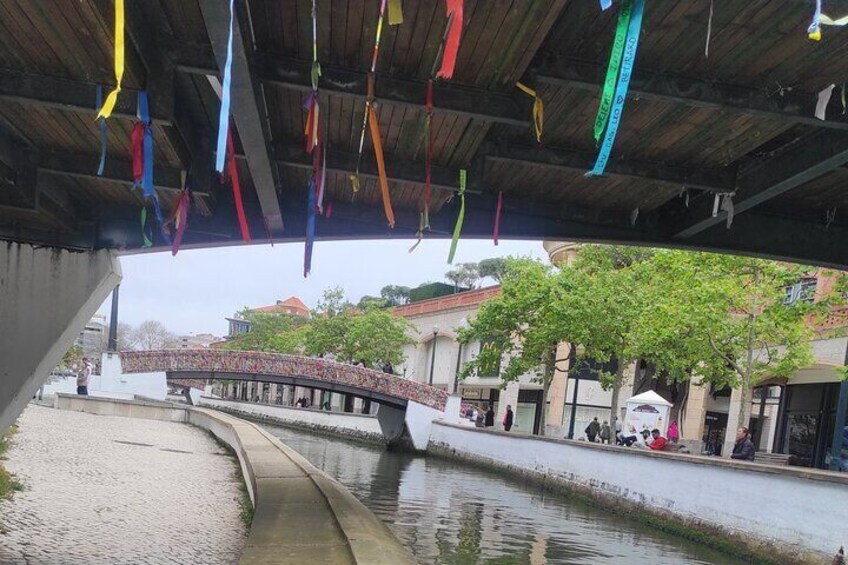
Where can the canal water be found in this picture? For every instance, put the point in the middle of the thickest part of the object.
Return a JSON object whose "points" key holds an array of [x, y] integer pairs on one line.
{"points": [[450, 513]]}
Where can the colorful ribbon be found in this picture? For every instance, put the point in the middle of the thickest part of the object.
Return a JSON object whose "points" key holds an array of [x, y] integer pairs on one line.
{"points": [[814, 31], [224, 115], [395, 12], [709, 30], [613, 69], [142, 140], [112, 98], [310, 229], [538, 110], [137, 137], [631, 47], [311, 104], [428, 153], [453, 10], [234, 181], [180, 216], [148, 242], [322, 181], [381, 165], [498, 212], [103, 137], [460, 218], [605, 4], [419, 234]]}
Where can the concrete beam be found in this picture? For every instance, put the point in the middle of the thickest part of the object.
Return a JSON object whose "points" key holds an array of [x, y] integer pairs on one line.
{"points": [[46, 297]]}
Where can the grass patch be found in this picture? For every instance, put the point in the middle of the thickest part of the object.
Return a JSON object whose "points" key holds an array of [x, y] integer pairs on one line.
{"points": [[245, 505], [8, 483]]}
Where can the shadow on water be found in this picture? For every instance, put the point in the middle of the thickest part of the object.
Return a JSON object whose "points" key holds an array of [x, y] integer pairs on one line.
{"points": [[450, 513]]}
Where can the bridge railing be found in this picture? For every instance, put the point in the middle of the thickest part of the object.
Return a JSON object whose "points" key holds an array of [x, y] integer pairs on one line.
{"points": [[277, 364]]}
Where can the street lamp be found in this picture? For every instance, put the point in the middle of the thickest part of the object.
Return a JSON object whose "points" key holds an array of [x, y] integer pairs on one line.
{"points": [[433, 357]]}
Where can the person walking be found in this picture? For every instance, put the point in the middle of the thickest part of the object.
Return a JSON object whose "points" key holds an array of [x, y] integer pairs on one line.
{"points": [[508, 418], [490, 417], [744, 448], [605, 432], [592, 430], [83, 377], [673, 432]]}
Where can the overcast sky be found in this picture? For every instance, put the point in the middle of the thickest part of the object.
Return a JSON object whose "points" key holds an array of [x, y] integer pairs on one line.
{"points": [[194, 291]]}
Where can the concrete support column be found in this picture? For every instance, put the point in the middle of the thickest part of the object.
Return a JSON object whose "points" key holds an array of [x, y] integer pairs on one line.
{"points": [[557, 393], [692, 423], [46, 298], [733, 422], [509, 396]]}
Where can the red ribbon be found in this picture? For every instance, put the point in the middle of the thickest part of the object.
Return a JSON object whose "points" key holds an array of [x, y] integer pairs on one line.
{"points": [[234, 180], [453, 8], [138, 151], [498, 218], [181, 220]]}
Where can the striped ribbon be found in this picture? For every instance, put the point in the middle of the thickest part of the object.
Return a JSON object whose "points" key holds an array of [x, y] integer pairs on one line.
{"points": [[538, 110], [224, 115], [112, 98], [310, 229], [103, 132], [629, 59], [460, 218], [613, 69]]}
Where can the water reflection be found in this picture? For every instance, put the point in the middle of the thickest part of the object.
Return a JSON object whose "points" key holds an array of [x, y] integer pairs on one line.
{"points": [[449, 513]]}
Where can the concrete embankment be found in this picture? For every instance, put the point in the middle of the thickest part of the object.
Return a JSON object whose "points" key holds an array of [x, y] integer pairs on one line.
{"points": [[359, 426], [301, 515], [773, 514]]}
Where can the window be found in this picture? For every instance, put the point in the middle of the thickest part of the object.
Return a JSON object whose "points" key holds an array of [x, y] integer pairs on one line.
{"points": [[492, 369], [804, 291]]}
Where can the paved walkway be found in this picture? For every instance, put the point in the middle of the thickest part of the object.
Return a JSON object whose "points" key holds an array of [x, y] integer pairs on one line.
{"points": [[103, 489]]}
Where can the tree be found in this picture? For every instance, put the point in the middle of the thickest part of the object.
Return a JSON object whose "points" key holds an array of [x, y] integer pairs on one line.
{"points": [[725, 318], [125, 337], [518, 325], [493, 268], [464, 275], [372, 302], [395, 295], [272, 332], [72, 360], [152, 334], [374, 335]]}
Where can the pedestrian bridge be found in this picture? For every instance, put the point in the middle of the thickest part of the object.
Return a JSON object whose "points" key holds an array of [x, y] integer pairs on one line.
{"points": [[407, 408]]}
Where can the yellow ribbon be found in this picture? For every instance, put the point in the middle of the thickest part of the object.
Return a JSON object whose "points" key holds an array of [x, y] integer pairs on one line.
{"points": [[109, 104], [395, 12], [538, 110]]}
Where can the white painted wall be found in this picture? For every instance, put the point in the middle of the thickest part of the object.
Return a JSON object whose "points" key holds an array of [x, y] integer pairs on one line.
{"points": [[779, 506], [358, 423], [46, 298]]}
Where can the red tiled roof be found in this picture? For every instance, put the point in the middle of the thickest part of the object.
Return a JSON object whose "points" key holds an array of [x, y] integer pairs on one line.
{"points": [[451, 302], [292, 305]]}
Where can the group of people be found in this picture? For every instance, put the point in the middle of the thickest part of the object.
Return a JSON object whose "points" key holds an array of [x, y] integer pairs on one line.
{"points": [[486, 418], [650, 439]]}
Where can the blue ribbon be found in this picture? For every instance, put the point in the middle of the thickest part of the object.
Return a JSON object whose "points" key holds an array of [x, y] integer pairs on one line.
{"points": [[605, 4], [143, 114], [224, 117], [630, 48], [310, 229], [102, 132]]}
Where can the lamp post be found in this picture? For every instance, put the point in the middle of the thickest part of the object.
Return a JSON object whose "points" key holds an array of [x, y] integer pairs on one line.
{"points": [[463, 324], [433, 356]]}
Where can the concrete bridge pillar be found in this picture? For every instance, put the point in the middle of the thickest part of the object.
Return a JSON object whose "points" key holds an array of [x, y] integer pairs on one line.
{"points": [[46, 297]]}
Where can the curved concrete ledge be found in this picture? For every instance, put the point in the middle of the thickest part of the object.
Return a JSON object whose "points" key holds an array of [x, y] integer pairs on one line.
{"points": [[301, 515]]}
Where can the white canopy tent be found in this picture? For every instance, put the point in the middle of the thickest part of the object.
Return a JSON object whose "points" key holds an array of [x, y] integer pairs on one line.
{"points": [[648, 410]]}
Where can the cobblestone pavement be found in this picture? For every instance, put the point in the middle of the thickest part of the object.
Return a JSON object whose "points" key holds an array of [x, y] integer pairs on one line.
{"points": [[102, 489]]}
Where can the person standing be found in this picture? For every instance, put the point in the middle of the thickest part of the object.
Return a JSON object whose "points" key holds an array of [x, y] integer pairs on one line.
{"points": [[619, 437], [490, 417], [673, 432], [744, 448], [592, 430], [83, 377], [605, 432], [508, 418]]}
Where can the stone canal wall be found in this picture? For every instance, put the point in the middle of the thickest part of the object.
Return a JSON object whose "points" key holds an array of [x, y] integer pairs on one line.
{"points": [[785, 513], [362, 426], [301, 515]]}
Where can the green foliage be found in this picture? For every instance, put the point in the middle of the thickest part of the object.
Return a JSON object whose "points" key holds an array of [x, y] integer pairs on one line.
{"points": [[72, 359], [493, 268], [430, 290], [372, 302], [8, 483], [374, 335], [465, 275], [278, 333], [395, 295]]}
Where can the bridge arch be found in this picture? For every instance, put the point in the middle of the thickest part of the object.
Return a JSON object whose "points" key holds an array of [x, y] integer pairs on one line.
{"points": [[216, 364]]}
